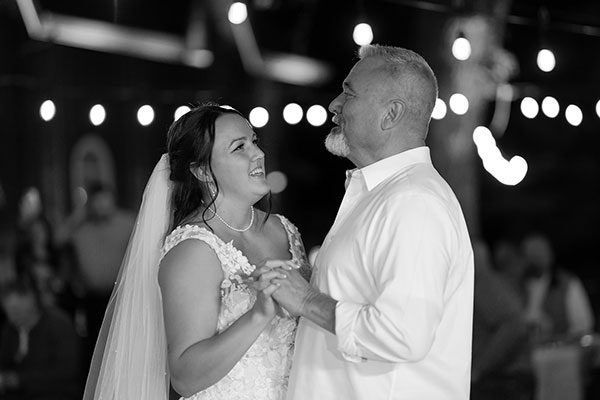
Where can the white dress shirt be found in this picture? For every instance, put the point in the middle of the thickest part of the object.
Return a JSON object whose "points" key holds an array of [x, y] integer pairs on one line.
{"points": [[399, 261]]}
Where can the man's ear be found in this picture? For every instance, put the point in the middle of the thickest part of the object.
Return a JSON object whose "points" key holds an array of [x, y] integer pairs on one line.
{"points": [[393, 114], [201, 173]]}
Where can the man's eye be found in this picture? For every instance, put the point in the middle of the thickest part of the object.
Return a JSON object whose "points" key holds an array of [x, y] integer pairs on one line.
{"points": [[241, 146]]}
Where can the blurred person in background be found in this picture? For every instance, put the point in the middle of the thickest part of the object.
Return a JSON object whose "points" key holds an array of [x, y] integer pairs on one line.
{"points": [[99, 243], [509, 262], [36, 253], [39, 349], [558, 306], [501, 367]]}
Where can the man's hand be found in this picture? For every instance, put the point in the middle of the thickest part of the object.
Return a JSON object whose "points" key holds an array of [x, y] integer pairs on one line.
{"points": [[293, 289], [293, 292]]}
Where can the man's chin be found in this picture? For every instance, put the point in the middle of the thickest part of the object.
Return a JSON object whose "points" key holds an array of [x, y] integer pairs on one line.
{"points": [[336, 144]]}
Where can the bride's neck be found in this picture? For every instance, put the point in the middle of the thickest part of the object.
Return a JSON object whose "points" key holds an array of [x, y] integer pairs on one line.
{"points": [[236, 213]]}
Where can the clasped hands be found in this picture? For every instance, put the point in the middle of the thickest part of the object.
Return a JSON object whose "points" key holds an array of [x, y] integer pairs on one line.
{"points": [[292, 291]]}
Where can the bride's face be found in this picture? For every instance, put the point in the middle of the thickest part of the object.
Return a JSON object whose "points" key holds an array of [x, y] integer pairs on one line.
{"points": [[237, 162]]}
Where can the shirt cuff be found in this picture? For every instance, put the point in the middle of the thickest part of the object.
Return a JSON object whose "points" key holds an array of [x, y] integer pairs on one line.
{"points": [[346, 315]]}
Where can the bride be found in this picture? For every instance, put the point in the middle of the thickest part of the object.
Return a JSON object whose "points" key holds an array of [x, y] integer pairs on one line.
{"points": [[187, 309]]}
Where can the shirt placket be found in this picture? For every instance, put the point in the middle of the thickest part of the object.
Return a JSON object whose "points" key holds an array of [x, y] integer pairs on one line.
{"points": [[355, 189]]}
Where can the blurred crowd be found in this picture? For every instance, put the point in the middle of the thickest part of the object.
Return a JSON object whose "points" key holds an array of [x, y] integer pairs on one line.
{"points": [[533, 325], [55, 283], [533, 328]]}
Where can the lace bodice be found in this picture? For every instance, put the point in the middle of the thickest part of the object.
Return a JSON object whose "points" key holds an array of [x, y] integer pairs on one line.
{"points": [[262, 373]]}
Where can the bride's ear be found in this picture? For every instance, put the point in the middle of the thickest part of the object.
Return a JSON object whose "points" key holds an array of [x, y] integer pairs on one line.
{"points": [[201, 173]]}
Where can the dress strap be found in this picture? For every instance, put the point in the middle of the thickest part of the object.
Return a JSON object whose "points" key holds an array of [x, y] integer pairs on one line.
{"points": [[231, 259]]}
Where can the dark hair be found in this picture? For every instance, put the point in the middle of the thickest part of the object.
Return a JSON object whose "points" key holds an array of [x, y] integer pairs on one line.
{"points": [[190, 141], [24, 253]]}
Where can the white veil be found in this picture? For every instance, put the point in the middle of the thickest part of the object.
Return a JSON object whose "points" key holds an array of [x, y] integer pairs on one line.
{"points": [[130, 358]]}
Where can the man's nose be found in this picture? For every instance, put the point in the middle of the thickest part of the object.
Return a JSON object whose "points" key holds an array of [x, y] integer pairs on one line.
{"points": [[335, 105]]}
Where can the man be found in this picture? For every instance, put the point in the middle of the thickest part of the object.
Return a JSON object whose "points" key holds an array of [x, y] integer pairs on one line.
{"points": [[558, 306], [39, 349], [99, 244], [388, 314]]}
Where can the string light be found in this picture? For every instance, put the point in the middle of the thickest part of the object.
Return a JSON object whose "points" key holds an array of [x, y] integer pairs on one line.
{"points": [[97, 115], [574, 115], [292, 113], [461, 48], [362, 34], [508, 172], [180, 112], [545, 60], [550, 107], [316, 115], [459, 104], [529, 107], [439, 110], [145, 115], [259, 117], [238, 13], [47, 110]]}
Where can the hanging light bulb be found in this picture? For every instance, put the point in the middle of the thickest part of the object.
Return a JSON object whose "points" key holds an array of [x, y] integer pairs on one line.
{"points": [[47, 110], [461, 48], [238, 13], [545, 60], [362, 34]]}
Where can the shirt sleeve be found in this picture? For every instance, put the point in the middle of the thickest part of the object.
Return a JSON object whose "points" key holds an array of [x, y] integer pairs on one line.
{"points": [[410, 249]]}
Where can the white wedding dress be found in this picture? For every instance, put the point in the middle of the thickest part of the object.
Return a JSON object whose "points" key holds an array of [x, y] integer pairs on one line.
{"points": [[262, 373]]}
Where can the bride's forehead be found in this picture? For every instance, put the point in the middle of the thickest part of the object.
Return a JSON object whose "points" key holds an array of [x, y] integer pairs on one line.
{"points": [[231, 126]]}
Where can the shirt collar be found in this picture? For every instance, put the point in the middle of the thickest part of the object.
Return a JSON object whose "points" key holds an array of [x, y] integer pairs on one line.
{"points": [[379, 171]]}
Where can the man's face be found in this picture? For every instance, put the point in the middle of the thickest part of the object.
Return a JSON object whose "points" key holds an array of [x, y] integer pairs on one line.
{"points": [[102, 205], [19, 308], [357, 111], [539, 253]]}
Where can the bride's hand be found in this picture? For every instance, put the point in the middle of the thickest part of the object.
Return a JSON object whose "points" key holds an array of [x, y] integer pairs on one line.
{"points": [[265, 305]]}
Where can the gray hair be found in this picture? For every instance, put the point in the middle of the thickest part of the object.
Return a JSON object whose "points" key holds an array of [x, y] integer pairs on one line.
{"points": [[398, 62]]}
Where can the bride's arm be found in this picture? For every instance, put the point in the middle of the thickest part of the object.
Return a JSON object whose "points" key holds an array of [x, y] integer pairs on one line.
{"points": [[190, 277]]}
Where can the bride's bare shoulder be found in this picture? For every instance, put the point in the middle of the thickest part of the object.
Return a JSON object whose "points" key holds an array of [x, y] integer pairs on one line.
{"points": [[187, 259]]}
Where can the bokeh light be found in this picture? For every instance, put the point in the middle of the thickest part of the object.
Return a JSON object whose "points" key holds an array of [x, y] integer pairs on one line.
{"points": [[461, 48], [362, 34], [292, 113], [238, 13], [550, 107], [47, 110], [145, 115], [259, 117], [97, 115], [278, 181], [459, 104], [180, 112], [439, 110], [574, 115], [545, 60], [529, 107], [316, 115]]}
